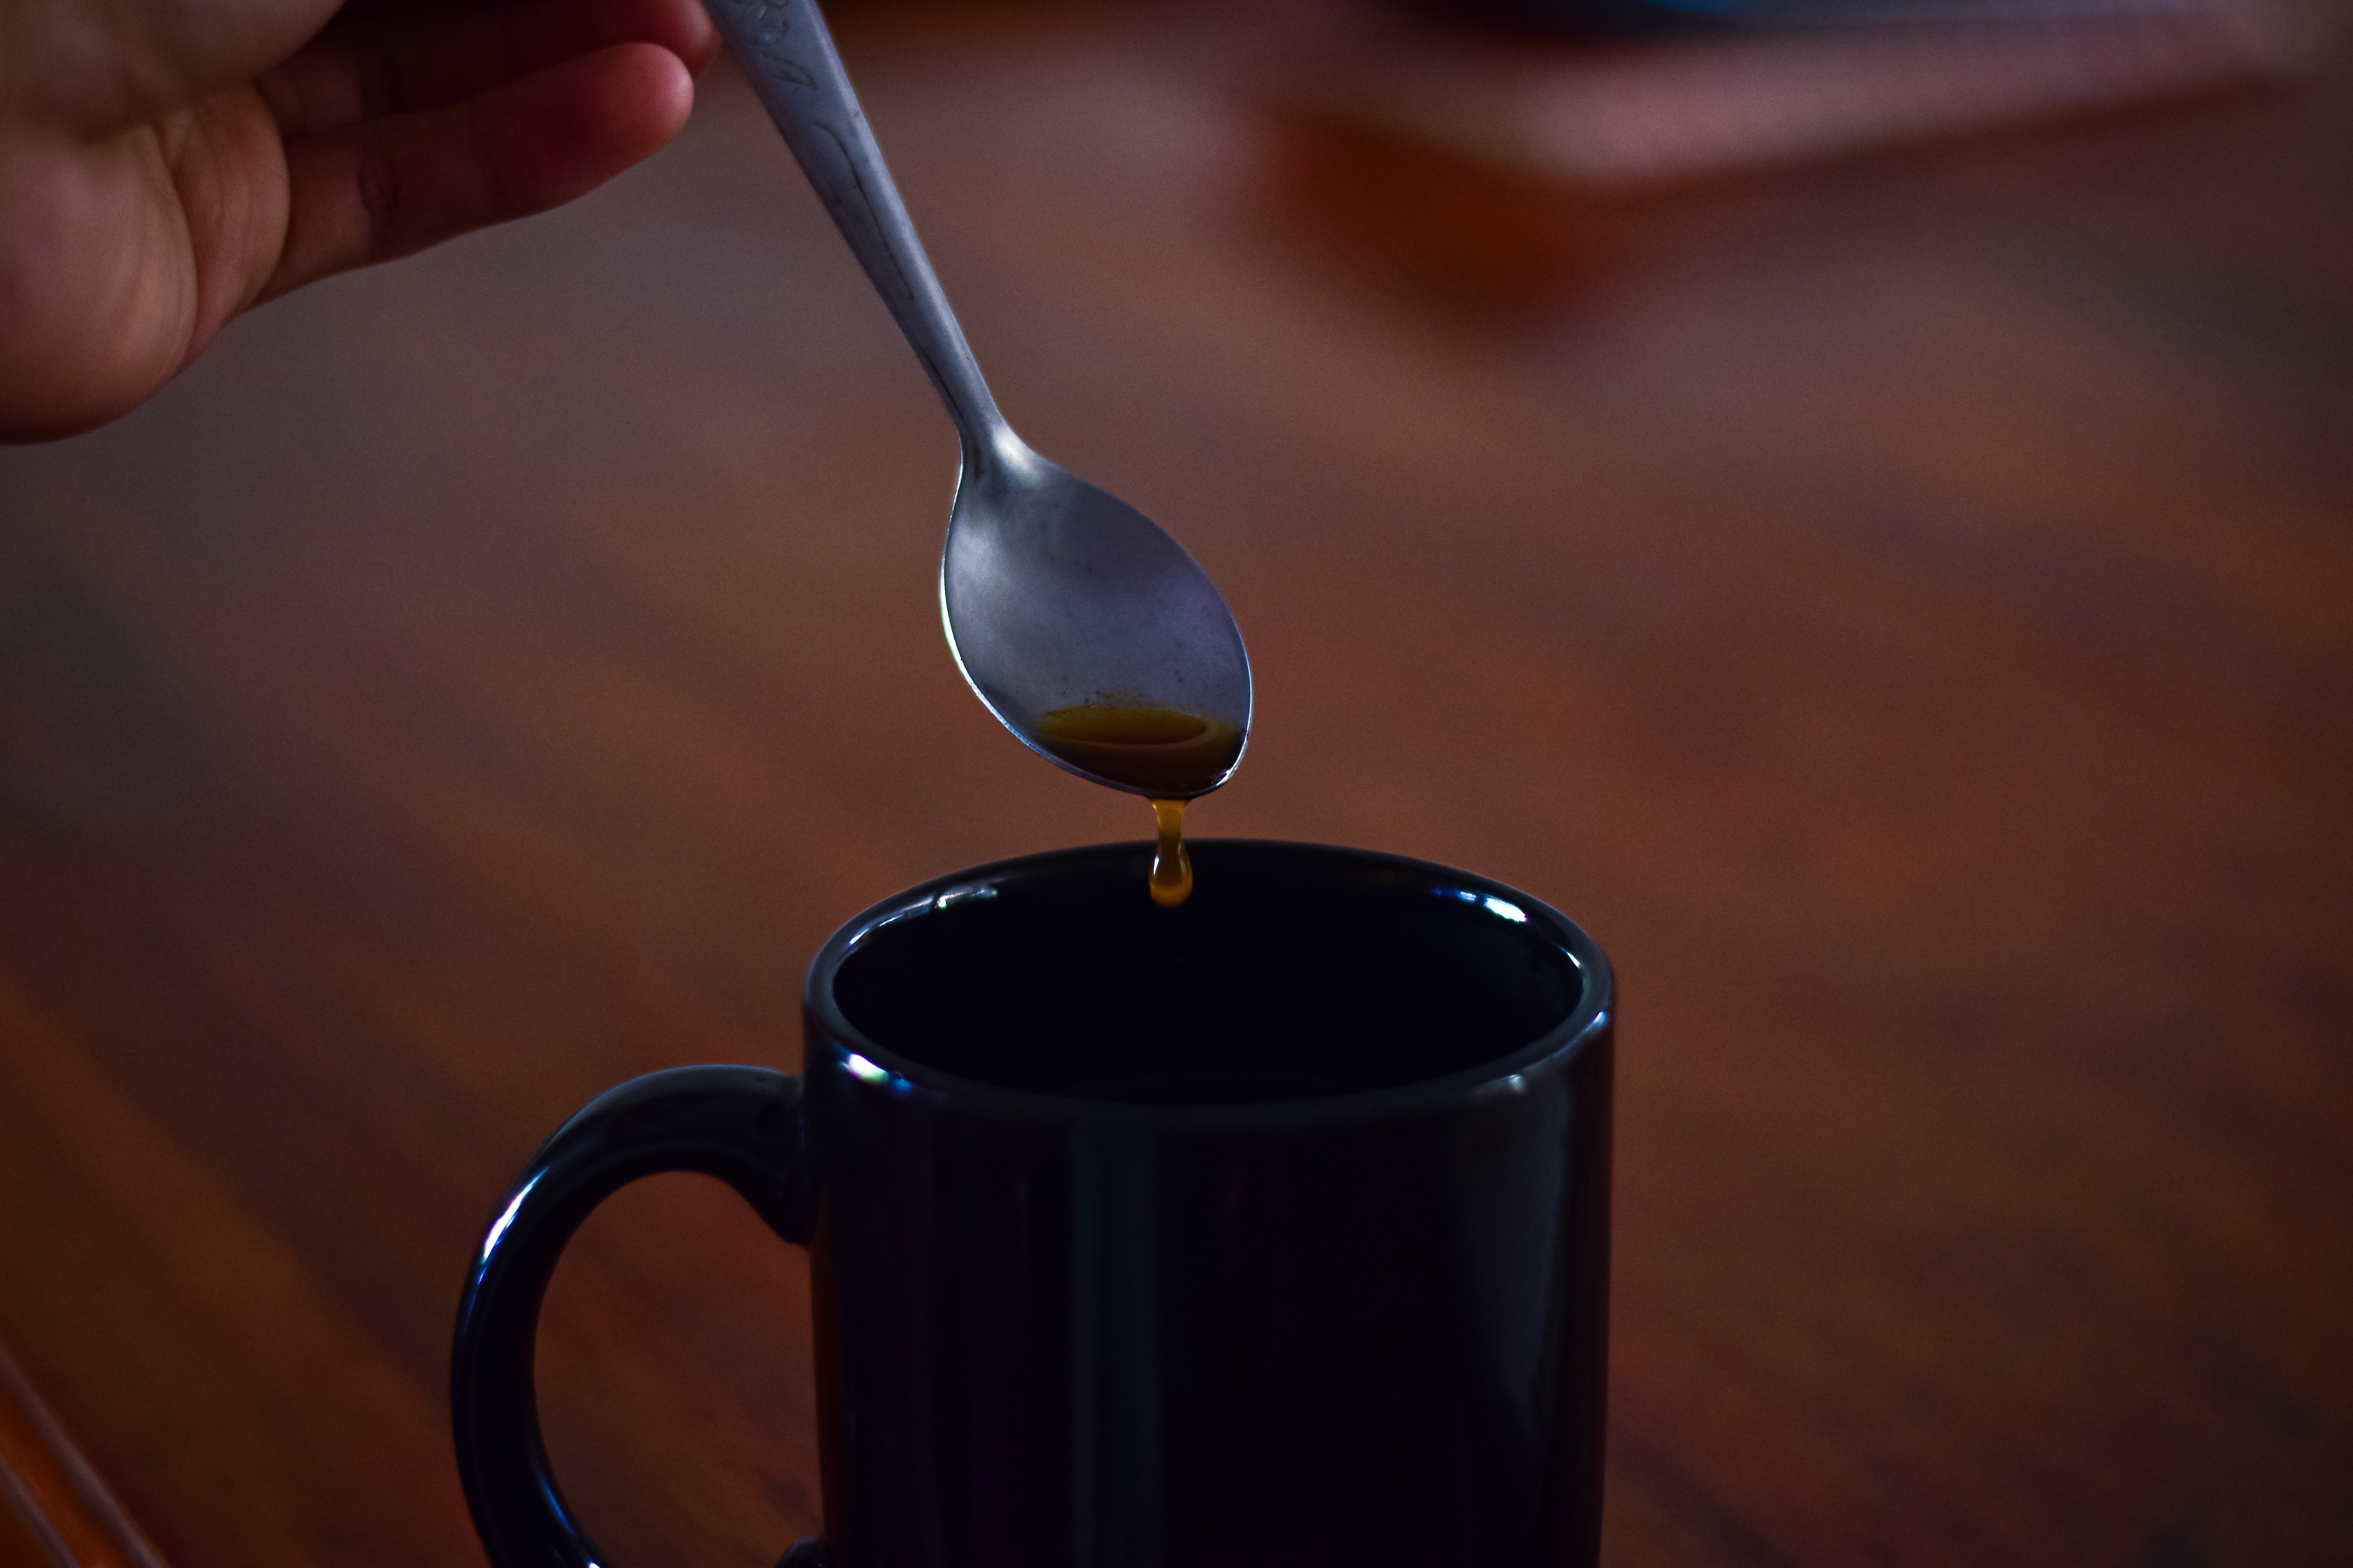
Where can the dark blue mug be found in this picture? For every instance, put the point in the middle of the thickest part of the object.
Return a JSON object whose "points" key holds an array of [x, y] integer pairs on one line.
{"points": [[1272, 1229]]}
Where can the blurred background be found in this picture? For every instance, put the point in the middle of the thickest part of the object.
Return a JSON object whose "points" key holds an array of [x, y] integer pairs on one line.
{"points": [[1853, 506]]}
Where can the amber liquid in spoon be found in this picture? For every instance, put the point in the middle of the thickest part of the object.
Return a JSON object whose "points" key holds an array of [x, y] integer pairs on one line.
{"points": [[1153, 749]]}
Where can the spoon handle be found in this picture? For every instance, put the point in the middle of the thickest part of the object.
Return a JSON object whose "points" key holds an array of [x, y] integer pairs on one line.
{"points": [[785, 50]]}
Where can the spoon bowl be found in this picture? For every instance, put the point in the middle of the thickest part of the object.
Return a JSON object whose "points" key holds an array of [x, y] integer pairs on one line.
{"points": [[1060, 598], [1089, 632]]}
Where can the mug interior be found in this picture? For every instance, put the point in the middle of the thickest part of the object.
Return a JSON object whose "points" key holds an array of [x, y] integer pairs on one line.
{"points": [[1293, 972]]}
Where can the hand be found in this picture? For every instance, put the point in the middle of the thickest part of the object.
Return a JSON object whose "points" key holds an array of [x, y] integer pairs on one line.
{"points": [[165, 164]]}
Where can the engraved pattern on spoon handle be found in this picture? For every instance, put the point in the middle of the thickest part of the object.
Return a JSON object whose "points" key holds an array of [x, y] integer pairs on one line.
{"points": [[785, 50]]}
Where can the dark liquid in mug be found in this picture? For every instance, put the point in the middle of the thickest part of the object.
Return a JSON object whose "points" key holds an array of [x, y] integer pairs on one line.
{"points": [[1165, 751]]}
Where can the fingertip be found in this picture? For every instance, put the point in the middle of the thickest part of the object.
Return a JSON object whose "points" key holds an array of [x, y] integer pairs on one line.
{"points": [[651, 95], [693, 39], [562, 133], [682, 27], [385, 187]]}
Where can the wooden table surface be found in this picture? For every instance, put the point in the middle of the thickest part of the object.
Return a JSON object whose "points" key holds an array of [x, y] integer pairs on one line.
{"points": [[1904, 610]]}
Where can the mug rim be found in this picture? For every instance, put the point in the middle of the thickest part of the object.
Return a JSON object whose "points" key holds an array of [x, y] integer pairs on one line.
{"points": [[869, 1060]]}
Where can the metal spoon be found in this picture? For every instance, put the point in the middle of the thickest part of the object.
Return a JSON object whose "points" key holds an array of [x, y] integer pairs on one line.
{"points": [[1058, 598]]}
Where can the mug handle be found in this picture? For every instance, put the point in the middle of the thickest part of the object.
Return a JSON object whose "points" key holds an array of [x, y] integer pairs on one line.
{"points": [[740, 1124]]}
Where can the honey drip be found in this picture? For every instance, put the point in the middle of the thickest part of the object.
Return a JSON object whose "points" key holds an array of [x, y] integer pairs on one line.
{"points": [[1172, 868], [1167, 752]]}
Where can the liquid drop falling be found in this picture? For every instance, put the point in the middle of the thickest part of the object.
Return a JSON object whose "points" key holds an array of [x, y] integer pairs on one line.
{"points": [[1172, 868]]}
